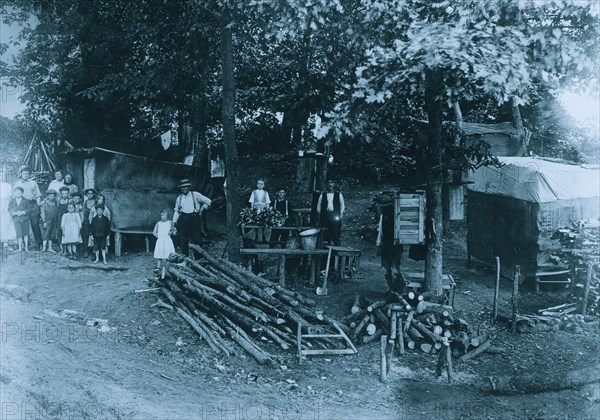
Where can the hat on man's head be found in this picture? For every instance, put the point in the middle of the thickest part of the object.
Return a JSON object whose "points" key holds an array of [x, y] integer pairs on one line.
{"points": [[51, 191], [19, 188], [185, 183], [90, 189]]}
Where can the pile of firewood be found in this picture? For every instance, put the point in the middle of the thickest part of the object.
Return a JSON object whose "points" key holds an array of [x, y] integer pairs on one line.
{"points": [[225, 303], [414, 323], [580, 252]]}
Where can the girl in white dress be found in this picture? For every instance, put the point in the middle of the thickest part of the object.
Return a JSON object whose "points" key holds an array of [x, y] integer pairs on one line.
{"points": [[71, 230], [164, 245]]}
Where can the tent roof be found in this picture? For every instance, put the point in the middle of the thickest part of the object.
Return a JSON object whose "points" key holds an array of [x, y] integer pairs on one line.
{"points": [[94, 151], [538, 180]]}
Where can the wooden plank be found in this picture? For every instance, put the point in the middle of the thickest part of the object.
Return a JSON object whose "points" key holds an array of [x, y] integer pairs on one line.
{"points": [[422, 219], [284, 251], [328, 351]]}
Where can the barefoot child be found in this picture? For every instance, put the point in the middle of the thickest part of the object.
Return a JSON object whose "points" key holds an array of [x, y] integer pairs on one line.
{"points": [[100, 229], [18, 208], [164, 245], [71, 231], [49, 220]]}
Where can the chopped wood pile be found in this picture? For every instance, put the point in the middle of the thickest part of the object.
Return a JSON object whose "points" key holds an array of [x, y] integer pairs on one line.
{"points": [[561, 317], [580, 253], [226, 304], [413, 323]]}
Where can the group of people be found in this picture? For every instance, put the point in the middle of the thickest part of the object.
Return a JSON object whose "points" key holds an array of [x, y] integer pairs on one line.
{"points": [[329, 209], [62, 215]]}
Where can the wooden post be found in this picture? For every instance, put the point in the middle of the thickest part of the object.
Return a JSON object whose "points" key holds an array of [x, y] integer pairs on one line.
{"points": [[389, 354], [515, 295], [496, 291], [118, 244], [586, 288], [449, 363], [147, 242], [299, 342], [383, 367], [400, 334], [282, 270]]}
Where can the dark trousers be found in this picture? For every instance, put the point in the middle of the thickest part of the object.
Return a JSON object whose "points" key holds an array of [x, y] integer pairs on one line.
{"points": [[34, 221], [188, 227], [333, 224], [391, 257]]}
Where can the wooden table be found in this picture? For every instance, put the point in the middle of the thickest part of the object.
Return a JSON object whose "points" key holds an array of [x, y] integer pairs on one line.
{"points": [[119, 238], [282, 253], [294, 229], [416, 281]]}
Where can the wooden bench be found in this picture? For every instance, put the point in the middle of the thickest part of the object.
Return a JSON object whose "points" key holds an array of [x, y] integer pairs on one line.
{"points": [[282, 253], [119, 238], [416, 281], [540, 277]]}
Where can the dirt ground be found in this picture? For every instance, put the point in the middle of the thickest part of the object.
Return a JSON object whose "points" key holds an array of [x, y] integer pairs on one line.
{"points": [[79, 343]]}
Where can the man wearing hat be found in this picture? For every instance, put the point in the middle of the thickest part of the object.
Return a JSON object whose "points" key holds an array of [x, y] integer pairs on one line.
{"points": [[189, 207], [31, 193], [330, 209]]}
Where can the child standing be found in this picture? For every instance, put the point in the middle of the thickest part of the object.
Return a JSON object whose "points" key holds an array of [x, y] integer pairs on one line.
{"points": [[63, 202], [49, 220], [259, 199], [18, 208], [71, 231], [100, 229], [164, 245]]}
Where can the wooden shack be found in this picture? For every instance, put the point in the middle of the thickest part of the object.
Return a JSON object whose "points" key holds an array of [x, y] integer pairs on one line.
{"points": [[136, 188], [512, 211]]}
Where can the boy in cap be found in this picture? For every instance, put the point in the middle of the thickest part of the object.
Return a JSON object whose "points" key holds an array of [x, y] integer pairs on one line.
{"points": [[18, 207]]}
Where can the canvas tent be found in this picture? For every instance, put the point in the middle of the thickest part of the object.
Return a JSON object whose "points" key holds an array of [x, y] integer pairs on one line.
{"points": [[136, 188], [512, 211]]}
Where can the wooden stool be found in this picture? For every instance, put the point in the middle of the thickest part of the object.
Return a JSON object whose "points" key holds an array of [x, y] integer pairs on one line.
{"points": [[416, 282], [346, 260], [541, 276]]}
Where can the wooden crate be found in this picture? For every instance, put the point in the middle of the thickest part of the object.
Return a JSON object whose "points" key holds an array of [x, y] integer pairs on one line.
{"points": [[409, 221]]}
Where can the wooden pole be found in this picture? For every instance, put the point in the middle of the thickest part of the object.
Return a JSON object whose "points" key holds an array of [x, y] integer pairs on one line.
{"points": [[496, 290], [586, 288], [383, 367], [400, 333], [515, 295], [449, 363]]}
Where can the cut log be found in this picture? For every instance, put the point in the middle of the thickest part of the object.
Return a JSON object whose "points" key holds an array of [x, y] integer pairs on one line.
{"points": [[414, 334], [474, 353], [400, 333], [425, 347], [383, 365], [375, 305], [425, 332], [362, 324], [371, 328], [356, 305], [382, 319], [370, 338], [393, 321], [408, 320], [448, 354]]}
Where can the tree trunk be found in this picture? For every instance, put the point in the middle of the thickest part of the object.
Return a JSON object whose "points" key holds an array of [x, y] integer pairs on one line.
{"points": [[435, 179], [231, 153]]}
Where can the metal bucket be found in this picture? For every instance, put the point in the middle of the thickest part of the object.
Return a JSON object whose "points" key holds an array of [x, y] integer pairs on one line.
{"points": [[308, 239]]}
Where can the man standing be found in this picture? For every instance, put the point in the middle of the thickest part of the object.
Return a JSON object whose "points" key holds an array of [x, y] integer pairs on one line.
{"points": [[330, 208], [189, 207], [391, 254], [31, 193]]}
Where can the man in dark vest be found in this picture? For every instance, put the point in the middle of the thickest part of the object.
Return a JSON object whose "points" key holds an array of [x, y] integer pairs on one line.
{"points": [[330, 209], [391, 254]]}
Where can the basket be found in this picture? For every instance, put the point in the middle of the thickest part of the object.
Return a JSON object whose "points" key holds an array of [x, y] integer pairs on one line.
{"points": [[308, 239]]}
